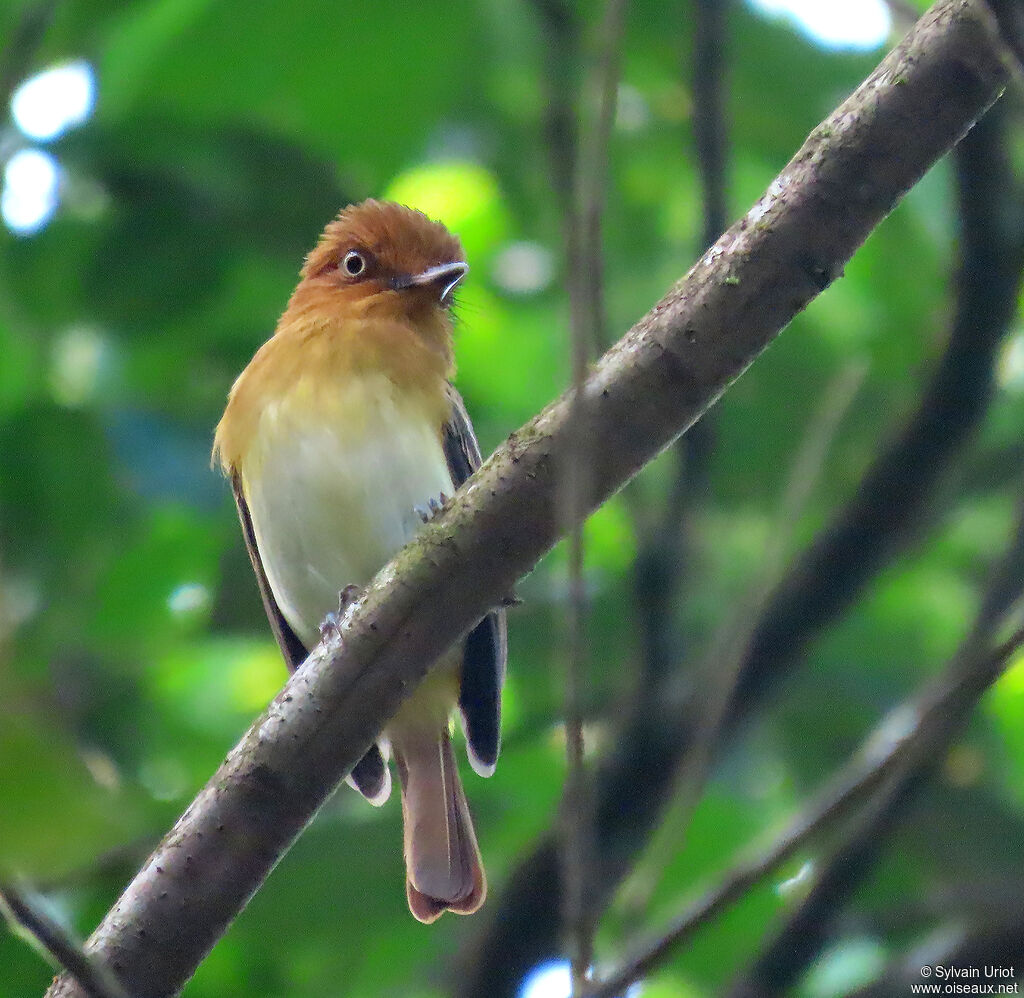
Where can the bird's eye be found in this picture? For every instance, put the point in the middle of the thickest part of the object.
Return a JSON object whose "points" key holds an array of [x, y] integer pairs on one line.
{"points": [[354, 263]]}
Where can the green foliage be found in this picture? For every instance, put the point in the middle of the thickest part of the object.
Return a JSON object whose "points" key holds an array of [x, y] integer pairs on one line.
{"points": [[133, 649]]}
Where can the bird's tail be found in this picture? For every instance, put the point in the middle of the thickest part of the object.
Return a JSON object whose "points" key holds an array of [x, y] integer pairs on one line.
{"points": [[442, 859]]}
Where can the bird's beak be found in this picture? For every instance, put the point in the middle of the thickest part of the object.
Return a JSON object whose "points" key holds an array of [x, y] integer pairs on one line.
{"points": [[444, 277]]}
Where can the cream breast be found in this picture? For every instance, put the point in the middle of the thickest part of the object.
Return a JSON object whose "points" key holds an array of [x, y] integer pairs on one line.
{"points": [[332, 489]]}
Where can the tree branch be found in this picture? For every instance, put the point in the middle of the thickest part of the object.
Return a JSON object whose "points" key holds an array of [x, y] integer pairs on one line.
{"points": [[561, 30], [635, 780], [806, 931], [646, 390], [912, 735], [879, 520]]}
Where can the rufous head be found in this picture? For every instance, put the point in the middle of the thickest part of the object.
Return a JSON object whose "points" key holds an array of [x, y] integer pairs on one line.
{"points": [[383, 256]]}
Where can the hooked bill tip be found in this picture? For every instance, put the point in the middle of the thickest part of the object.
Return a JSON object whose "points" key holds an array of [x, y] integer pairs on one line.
{"points": [[445, 276]]}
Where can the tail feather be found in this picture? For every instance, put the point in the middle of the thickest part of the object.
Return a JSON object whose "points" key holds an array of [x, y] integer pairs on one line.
{"points": [[442, 859]]}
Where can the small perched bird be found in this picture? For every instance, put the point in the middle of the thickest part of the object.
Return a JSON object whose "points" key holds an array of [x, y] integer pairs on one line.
{"points": [[340, 438]]}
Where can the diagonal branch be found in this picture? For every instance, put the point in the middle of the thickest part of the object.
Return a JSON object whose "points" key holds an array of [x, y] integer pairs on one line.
{"points": [[710, 132], [882, 516], [992, 203], [634, 781], [934, 719], [645, 391], [893, 760], [65, 952]]}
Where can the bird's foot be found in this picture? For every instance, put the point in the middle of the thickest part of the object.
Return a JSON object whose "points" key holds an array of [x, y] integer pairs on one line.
{"points": [[432, 507], [330, 627], [331, 624]]}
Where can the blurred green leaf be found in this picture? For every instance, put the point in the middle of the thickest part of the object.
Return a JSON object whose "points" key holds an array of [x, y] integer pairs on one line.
{"points": [[55, 816]]}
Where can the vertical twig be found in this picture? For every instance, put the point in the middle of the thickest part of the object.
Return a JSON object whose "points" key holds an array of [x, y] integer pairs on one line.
{"points": [[710, 133], [720, 670], [591, 184], [587, 326], [560, 30]]}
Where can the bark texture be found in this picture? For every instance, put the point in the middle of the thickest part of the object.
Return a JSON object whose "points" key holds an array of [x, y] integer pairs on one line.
{"points": [[641, 395]]}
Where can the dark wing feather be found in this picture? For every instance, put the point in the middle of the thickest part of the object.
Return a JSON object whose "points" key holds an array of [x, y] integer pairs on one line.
{"points": [[292, 648], [483, 662], [370, 776]]}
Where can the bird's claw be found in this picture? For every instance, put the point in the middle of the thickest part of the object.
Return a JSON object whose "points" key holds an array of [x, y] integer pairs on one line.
{"points": [[433, 506], [347, 597], [330, 627], [331, 624]]}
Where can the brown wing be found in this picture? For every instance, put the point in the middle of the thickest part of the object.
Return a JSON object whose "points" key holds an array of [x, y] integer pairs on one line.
{"points": [[370, 775], [483, 663]]}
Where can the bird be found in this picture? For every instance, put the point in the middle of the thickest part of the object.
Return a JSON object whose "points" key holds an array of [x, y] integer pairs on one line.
{"points": [[340, 438]]}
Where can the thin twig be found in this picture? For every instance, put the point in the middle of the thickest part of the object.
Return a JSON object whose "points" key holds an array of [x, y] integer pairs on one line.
{"points": [[806, 930], [912, 733], [64, 951], [710, 120], [633, 780], [720, 670], [560, 30], [592, 178], [587, 325]]}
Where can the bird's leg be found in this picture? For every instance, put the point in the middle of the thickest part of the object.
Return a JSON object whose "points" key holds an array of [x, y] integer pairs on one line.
{"points": [[432, 507], [331, 624]]}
